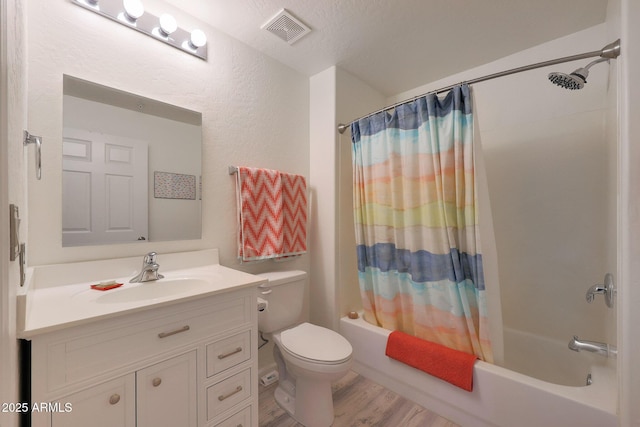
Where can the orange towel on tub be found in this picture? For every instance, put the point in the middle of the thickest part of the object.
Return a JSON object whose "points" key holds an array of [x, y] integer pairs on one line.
{"points": [[442, 362]]}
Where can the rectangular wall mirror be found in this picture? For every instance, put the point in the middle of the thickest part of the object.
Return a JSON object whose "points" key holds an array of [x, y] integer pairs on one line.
{"points": [[131, 168]]}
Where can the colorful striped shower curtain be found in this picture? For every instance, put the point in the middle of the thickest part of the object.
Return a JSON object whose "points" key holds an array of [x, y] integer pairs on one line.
{"points": [[418, 244]]}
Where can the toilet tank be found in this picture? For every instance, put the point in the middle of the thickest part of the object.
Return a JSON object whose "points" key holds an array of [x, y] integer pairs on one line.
{"points": [[284, 293]]}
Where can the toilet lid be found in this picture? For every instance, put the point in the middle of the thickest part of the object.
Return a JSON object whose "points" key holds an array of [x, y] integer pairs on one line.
{"points": [[316, 343]]}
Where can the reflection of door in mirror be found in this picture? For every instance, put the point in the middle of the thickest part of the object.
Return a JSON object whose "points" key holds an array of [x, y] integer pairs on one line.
{"points": [[104, 188], [105, 115]]}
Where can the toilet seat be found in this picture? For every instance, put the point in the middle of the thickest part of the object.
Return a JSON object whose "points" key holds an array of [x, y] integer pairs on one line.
{"points": [[316, 344]]}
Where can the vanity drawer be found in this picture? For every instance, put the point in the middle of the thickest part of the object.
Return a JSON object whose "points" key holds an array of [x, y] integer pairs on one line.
{"points": [[228, 352], [75, 359], [239, 419], [222, 395]]}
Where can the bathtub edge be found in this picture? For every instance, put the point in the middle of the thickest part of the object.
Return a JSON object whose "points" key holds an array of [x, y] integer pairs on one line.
{"points": [[491, 402]]}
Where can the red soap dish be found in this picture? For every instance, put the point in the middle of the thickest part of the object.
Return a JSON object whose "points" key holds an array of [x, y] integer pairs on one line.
{"points": [[106, 287]]}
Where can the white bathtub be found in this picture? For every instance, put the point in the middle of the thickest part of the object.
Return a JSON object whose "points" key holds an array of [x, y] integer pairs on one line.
{"points": [[548, 359], [500, 397]]}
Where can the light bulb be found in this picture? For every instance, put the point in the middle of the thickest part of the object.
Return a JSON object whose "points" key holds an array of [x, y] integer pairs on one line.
{"points": [[168, 24], [198, 39], [133, 9]]}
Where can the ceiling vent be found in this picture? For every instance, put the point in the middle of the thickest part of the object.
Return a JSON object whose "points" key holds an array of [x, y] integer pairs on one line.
{"points": [[287, 27]]}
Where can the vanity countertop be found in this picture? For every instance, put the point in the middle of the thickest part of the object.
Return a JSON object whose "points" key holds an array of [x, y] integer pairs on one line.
{"points": [[49, 308]]}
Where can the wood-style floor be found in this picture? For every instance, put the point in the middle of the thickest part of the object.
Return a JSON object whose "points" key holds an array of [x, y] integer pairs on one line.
{"points": [[357, 402]]}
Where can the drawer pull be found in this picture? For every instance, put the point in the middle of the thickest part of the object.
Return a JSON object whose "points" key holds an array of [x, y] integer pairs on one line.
{"points": [[156, 382], [115, 398], [231, 353], [177, 331], [228, 395]]}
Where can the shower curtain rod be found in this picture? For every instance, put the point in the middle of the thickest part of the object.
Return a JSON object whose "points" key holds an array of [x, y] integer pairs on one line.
{"points": [[610, 51]]}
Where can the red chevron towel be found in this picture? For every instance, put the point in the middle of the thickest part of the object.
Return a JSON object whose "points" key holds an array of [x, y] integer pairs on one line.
{"points": [[294, 214], [272, 210], [442, 362]]}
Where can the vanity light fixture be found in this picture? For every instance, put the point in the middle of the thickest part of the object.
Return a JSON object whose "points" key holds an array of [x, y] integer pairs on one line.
{"points": [[133, 10], [197, 39], [93, 4], [168, 25], [165, 28]]}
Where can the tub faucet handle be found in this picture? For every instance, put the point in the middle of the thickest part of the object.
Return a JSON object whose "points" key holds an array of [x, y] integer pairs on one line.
{"points": [[607, 289], [593, 291]]}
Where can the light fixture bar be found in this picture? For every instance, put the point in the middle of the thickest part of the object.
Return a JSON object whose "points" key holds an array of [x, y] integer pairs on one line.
{"points": [[148, 24]]}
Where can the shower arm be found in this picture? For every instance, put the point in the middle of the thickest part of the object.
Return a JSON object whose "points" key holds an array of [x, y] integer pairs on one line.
{"points": [[610, 51], [597, 61]]}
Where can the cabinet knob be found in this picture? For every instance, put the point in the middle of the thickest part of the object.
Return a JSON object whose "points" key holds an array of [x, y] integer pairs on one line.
{"points": [[115, 398], [156, 382]]}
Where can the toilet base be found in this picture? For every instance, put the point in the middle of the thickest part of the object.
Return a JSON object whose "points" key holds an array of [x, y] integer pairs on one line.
{"points": [[285, 400], [308, 402], [304, 390]]}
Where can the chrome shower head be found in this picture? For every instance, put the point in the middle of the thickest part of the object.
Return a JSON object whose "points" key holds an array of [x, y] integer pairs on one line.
{"points": [[578, 78], [571, 81], [575, 80]]}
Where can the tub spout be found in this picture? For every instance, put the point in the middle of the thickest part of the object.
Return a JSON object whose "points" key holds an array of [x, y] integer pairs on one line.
{"points": [[600, 348]]}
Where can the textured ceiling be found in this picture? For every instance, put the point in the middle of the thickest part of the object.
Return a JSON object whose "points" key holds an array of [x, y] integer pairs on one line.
{"points": [[396, 45]]}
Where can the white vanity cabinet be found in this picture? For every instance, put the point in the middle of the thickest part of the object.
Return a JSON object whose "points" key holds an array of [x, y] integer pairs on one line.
{"points": [[113, 400], [179, 364], [166, 393]]}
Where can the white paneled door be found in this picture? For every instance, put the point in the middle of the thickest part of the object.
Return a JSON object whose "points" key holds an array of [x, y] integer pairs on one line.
{"points": [[104, 188]]}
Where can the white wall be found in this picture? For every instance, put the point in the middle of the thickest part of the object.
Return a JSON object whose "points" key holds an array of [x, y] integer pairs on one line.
{"points": [[549, 175], [612, 136], [255, 112], [354, 99], [336, 97], [322, 149], [629, 232], [12, 188]]}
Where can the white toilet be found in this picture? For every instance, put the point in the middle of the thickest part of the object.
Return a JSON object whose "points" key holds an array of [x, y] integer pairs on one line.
{"points": [[309, 357]]}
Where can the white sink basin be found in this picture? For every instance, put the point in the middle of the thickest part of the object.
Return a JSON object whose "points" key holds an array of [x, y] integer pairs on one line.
{"points": [[59, 296], [152, 290]]}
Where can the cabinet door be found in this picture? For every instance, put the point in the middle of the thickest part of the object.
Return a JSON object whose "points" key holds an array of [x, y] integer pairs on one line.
{"points": [[166, 393], [105, 405]]}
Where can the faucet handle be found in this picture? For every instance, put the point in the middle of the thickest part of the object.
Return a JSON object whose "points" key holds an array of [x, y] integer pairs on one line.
{"points": [[150, 258], [607, 289], [593, 291]]}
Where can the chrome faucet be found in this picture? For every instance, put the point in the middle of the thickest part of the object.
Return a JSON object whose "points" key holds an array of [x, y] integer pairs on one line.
{"points": [[600, 348], [149, 270]]}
